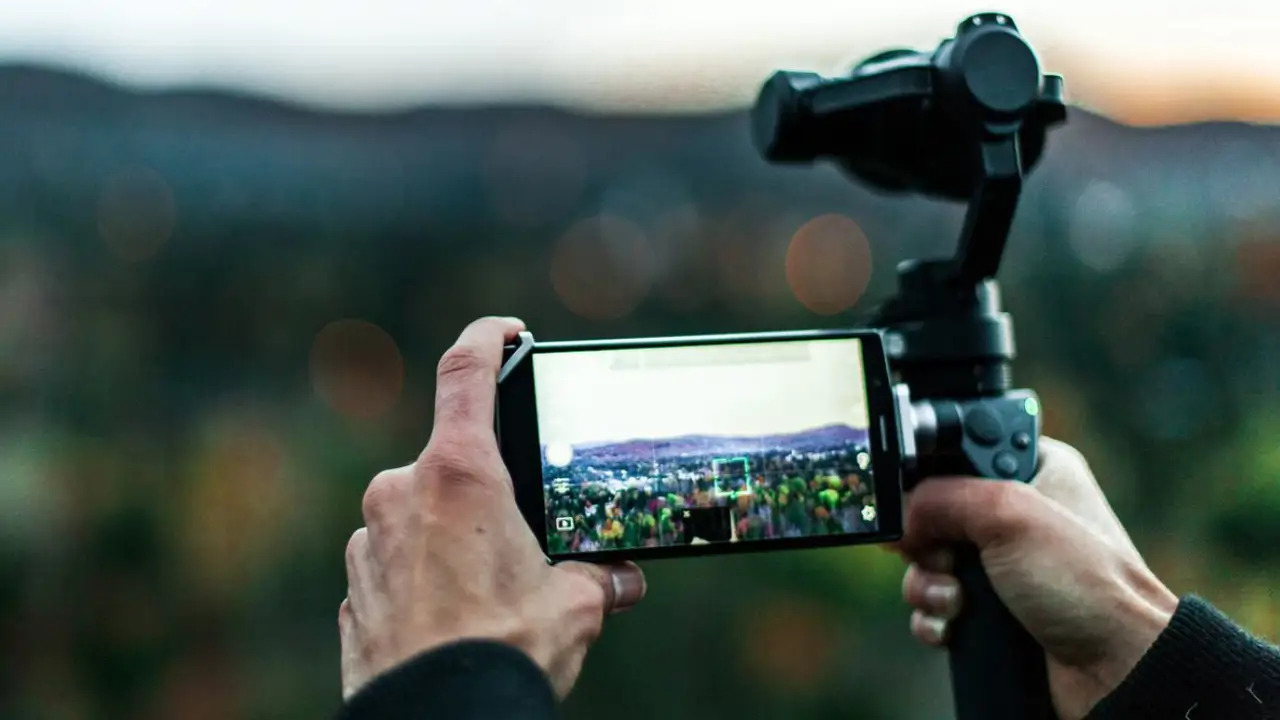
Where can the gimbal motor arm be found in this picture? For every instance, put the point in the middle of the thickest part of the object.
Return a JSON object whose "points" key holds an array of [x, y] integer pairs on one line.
{"points": [[964, 122]]}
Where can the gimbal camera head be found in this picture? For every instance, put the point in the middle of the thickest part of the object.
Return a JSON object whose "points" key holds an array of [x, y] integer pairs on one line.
{"points": [[964, 122]]}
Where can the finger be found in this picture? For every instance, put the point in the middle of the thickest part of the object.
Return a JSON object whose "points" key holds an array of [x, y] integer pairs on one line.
{"points": [[467, 377], [929, 630], [934, 559], [623, 584], [386, 494], [937, 594], [945, 511], [350, 657], [357, 554]]}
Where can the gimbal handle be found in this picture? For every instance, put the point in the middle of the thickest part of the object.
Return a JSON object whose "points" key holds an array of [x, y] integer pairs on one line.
{"points": [[998, 669]]}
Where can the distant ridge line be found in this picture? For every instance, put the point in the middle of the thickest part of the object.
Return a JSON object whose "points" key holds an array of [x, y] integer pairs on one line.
{"points": [[14, 75], [824, 437]]}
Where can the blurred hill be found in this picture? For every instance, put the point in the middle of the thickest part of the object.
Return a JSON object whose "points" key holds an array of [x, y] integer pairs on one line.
{"points": [[257, 160]]}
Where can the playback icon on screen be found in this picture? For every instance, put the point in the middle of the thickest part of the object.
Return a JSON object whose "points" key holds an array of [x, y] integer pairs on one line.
{"points": [[564, 524]]}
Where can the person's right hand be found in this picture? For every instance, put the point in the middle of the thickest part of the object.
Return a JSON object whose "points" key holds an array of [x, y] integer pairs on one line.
{"points": [[1059, 559]]}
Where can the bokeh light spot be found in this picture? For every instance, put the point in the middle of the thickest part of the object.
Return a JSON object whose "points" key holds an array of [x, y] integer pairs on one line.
{"points": [[136, 213], [357, 369], [790, 645], [829, 264], [237, 503], [602, 268], [202, 685], [1257, 265], [559, 454], [1102, 229]]}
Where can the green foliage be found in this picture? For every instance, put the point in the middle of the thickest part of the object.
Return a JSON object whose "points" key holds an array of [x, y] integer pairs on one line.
{"points": [[1247, 524]]}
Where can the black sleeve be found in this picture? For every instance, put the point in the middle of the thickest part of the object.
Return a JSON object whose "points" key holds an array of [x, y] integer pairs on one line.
{"points": [[1202, 666], [466, 680]]}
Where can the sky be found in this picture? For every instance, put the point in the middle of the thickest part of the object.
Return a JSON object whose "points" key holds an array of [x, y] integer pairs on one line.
{"points": [[1144, 60], [735, 390]]}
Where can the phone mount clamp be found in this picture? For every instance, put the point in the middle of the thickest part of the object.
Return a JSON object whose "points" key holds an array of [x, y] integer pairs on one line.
{"points": [[964, 122]]}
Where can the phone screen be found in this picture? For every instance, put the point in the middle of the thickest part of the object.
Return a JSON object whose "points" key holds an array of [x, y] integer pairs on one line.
{"points": [[696, 444]]}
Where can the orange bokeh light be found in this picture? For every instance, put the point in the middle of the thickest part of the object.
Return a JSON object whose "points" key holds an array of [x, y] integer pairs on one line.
{"points": [[1257, 267], [829, 264], [602, 268], [136, 213], [236, 505], [791, 645], [357, 369]]}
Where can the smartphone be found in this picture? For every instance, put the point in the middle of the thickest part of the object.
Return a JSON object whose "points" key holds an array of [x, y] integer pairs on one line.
{"points": [[682, 446]]}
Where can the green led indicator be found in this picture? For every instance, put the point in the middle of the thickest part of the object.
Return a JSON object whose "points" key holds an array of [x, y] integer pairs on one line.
{"points": [[1032, 406]]}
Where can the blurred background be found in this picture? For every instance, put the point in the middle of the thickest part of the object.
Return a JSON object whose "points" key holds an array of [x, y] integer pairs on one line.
{"points": [[236, 236]]}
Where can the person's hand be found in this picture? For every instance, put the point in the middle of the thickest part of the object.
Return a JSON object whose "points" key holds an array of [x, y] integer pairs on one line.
{"points": [[446, 554], [1059, 559]]}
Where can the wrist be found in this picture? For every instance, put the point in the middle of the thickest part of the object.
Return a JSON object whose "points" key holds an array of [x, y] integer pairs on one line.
{"points": [[1145, 609]]}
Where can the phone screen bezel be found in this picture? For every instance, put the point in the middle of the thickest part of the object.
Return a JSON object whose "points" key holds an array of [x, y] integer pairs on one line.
{"points": [[517, 428]]}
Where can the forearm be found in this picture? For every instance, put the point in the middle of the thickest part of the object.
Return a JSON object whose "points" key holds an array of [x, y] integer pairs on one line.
{"points": [[465, 681], [1202, 665]]}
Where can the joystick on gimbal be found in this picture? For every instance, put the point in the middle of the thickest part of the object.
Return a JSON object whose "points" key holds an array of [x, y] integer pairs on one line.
{"points": [[964, 122]]}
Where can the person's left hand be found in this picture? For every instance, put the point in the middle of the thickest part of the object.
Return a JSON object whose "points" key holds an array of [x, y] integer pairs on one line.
{"points": [[446, 554]]}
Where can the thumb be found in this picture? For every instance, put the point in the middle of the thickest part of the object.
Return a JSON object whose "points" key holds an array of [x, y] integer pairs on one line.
{"points": [[946, 511], [623, 583]]}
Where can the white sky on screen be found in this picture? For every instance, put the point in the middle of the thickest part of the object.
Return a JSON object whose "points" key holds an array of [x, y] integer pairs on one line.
{"points": [[638, 54], [582, 399]]}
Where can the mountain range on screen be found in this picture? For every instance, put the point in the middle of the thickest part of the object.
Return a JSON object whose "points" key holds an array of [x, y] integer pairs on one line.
{"points": [[814, 440]]}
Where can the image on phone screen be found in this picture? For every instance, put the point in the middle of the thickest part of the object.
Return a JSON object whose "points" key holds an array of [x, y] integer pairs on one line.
{"points": [[687, 445]]}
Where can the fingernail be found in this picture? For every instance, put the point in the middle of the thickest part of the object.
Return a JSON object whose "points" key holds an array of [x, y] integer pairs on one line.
{"points": [[942, 598], [628, 587], [934, 629]]}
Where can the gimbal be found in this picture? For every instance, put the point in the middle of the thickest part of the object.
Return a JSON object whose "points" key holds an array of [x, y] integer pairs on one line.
{"points": [[964, 122]]}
